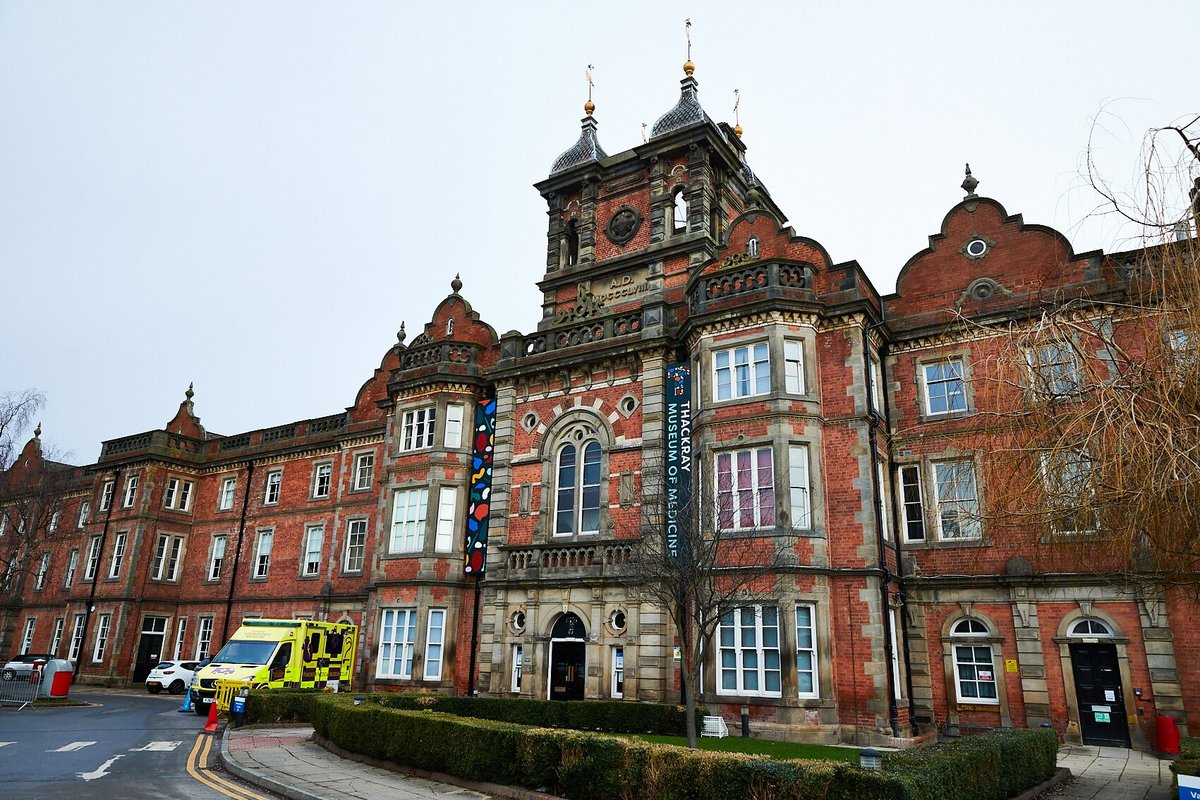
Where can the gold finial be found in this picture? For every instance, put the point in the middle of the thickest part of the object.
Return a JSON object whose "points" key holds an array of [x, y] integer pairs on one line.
{"points": [[688, 66], [737, 123], [589, 106]]}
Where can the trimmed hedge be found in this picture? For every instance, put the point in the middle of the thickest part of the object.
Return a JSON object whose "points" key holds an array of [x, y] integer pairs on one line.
{"points": [[590, 766], [1188, 762], [280, 705], [612, 716]]}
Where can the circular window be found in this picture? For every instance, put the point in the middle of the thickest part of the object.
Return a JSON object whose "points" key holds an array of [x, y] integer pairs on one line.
{"points": [[976, 248], [518, 621], [617, 620], [629, 404], [530, 421]]}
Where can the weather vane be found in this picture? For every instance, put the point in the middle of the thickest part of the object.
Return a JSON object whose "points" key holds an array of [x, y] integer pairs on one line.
{"points": [[737, 100], [644, 139], [687, 32], [588, 74]]}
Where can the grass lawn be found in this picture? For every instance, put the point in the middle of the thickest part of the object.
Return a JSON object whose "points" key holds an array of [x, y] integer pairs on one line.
{"points": [[761, 747]]}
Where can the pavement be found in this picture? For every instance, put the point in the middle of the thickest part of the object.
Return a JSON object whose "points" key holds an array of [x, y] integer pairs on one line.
{"points": [[286, 760]]}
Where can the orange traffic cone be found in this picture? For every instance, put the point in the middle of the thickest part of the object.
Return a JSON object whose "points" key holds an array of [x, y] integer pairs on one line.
{"points": [[211, 725]]}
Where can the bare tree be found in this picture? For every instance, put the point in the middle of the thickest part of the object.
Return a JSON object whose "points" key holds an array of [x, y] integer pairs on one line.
{"points": [[17, 410]]}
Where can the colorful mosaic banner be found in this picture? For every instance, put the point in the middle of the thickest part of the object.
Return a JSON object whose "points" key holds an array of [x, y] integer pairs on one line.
{"points": [[678, 472], [479, 504]]}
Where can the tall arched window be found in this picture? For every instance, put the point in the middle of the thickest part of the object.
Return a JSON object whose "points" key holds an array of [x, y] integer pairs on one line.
{"points": [[577, 499], [681, 211], [973, 662], [572, 242]]}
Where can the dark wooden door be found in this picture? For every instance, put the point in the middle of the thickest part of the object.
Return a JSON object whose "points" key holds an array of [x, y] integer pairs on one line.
{"points": [[149, 649], [567, 670], [1098, 689]]}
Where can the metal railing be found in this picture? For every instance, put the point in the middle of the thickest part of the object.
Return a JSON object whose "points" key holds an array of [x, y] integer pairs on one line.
{"points": [[19, 686]]}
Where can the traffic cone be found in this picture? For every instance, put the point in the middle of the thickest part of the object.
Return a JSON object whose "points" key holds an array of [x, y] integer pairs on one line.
{"points": [[187, 701], [211, 725]]}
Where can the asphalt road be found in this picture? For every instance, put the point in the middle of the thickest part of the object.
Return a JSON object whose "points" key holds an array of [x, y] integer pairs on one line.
{"points": [[127, 746]]}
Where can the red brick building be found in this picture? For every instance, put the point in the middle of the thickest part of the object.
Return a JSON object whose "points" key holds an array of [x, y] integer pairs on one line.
{"points": [[849, 424]]}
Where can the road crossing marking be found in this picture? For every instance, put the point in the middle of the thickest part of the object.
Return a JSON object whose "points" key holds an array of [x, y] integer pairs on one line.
{"points": [[72, 747], [156, 747], [100, 771]]}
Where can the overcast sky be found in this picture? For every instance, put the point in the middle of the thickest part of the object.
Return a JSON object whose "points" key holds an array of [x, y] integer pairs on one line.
{"points": [[254, 195]]}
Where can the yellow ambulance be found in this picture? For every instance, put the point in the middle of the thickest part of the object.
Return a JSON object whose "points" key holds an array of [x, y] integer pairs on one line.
{"points": [[281, 654]]}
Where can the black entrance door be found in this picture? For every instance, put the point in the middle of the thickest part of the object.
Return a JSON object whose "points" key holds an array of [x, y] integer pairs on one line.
{"points": [[566, 670], [1098, 689], [154, 630]]}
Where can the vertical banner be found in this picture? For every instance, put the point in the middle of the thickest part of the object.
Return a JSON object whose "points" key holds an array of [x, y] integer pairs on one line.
{"points": [[677, 472], [483, 441]]}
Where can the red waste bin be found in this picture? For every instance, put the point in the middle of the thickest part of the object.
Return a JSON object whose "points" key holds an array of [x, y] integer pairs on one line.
{"points": [[1166, 736], [60, 684]]}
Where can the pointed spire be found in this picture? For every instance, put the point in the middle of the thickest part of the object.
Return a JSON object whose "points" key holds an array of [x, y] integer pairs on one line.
{"points": [[587, 148], [969, 183]]}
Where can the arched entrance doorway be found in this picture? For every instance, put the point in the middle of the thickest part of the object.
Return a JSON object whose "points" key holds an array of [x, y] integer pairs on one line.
{"points": [[1098, 691], [568, 658]]}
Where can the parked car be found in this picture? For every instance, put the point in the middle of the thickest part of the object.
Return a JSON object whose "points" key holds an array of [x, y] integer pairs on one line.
{"points": [[174, 676], [21, 666]]}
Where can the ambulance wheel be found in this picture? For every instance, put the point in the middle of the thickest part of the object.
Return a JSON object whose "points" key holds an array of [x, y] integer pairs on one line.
{"points": [[201, 709]]}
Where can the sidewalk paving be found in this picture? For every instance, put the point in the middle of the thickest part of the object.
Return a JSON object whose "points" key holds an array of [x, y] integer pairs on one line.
{"points": [[285, 760]]}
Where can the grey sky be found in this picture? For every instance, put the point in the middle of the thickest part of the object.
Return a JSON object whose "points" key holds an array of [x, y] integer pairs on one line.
{"points": [[253, 196]]}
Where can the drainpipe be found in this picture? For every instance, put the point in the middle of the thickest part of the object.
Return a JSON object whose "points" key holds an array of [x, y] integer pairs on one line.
{"points": [[885, 581], [237, 553], [87, 612]]}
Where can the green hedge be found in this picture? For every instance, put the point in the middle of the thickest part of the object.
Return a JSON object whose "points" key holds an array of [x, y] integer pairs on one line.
{"points": [[1188, 762], [612, 716], [280, 705], [590, 766]]}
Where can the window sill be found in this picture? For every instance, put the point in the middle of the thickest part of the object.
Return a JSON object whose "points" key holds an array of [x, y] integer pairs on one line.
{"points": [[308, 577]]}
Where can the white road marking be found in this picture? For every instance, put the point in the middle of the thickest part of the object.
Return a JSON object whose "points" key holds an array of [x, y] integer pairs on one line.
{"points": [[100, 771], [4, 744], [156, 747], [68, 748]]}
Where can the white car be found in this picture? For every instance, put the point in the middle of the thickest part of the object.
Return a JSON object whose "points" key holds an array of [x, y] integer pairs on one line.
{"points": [[174, 676]]}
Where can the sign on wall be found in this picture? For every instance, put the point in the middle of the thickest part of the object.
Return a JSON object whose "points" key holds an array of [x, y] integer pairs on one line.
{"points": [[677, 472], [483, 441]]}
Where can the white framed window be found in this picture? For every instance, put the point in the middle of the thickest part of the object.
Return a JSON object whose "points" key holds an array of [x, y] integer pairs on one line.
{"points": [[106, 495], [409, 507], [876, 395], [749, 651], [322, 476], [452, 440], [262, 553], [897, 683], [27, 635], [799, 488], [577, 492], [912, 505], [518, 666], [679, 213], [397, 634], [416, 431], [944, 387], [974, 668], [103, 624], [447, 506], [167, 558], [956, 500], [1053, 369], [364, 471], [273, 486], [808, 681], [131, 485], [435, 636], [56, 637], [793, 366], [885, 516], [43, 568], [76, 638], [616, 678], [204, 631], [216, 557], [118, 555], [741, 371], [314, 539], [72, 566], [225, 496], [55, 519], [746, 489], [85, 508], [1070, 491], [178, 494], [93, 559], [356, 545], [1089, 627], [180, 634]]}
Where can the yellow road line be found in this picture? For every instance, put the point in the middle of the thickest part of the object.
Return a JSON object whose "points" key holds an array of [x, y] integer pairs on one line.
{"points": [[197, 767]]}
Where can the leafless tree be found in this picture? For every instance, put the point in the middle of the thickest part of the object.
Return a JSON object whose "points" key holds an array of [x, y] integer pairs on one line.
{"points": [[17, 410]]}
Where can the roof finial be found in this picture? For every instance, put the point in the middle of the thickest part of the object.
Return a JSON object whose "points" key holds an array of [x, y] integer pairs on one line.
{"points": [[456, 284], [644, 139], [189, 394], [737, 123], [969, 183], [688, 66], [37, 432], [400, 334], [589, 106]]}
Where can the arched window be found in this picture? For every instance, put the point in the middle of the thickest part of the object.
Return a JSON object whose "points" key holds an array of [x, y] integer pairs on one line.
{"points": [[752, 247], [572, 242], [681, 211], [1091, 627], [973, 662], [577, 499]]}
